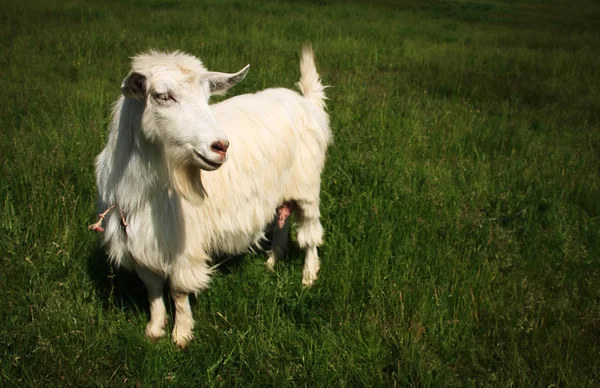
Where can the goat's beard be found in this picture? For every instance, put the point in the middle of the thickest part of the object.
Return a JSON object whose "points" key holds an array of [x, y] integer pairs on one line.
{"points": [[186, 180]]}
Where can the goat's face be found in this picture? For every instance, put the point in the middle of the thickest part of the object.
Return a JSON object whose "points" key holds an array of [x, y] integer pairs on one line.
{"points": [[175, 89]]}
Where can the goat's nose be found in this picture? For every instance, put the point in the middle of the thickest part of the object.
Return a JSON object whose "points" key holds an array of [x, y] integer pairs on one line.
{"points": [[220, 147]]}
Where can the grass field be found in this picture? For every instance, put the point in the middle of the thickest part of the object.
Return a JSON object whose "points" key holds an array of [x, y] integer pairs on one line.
{"points": [[460, 199]]}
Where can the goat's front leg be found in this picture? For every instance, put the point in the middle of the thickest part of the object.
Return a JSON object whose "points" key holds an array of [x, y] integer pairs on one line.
{"points": [[158, 313], [183, 331]]}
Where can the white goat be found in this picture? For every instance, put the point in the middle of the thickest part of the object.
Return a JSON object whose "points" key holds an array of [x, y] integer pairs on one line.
{"points": [[172, 217]]}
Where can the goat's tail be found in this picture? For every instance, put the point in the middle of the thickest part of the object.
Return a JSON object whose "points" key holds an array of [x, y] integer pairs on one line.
{"points": [[310, 84]]}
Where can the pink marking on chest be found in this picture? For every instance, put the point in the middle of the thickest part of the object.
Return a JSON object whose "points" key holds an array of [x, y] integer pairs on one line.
{"points": [[284, 211]]}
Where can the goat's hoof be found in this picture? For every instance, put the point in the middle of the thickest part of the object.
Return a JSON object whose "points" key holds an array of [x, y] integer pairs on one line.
{"points": [[182, 339], [308, 279], [270, 263], [155, 332], [309, 274]]}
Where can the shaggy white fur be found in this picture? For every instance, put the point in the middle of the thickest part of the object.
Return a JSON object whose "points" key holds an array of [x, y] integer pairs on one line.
{"points": [[193, 180]]}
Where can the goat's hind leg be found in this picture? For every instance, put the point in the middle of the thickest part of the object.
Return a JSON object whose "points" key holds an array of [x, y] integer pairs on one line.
{"points": [[158, 313], [310, 236], [281, 232]]}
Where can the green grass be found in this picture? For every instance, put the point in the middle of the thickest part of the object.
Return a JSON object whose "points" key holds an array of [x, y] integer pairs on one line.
{"points": [[460, 199]]}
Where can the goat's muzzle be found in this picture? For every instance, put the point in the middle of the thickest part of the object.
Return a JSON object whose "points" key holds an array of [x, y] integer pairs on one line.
{"points": [[220, 147]]}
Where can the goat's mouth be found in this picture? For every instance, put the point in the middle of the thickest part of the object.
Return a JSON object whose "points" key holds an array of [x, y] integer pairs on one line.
{"points": [[206, 163]]}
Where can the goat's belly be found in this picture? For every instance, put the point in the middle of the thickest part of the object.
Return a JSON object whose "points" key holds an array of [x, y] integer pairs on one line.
{"points": [[238, 229], [236, 242]]}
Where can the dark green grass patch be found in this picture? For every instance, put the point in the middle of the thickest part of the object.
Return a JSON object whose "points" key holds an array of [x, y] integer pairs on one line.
{"points": [[460, 198]]}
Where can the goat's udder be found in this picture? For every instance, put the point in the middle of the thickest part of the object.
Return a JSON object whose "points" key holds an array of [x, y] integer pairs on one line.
{"points": [[284, 211]]}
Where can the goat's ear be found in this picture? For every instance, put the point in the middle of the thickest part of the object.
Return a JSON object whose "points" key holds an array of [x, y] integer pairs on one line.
{"points": [[135, 86], [220, 82]]}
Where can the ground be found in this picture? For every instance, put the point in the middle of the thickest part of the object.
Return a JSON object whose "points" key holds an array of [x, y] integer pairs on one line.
{"points": [[460, 198]]}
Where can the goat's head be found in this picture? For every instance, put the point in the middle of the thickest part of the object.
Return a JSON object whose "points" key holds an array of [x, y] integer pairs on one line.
{"points": [[175, 88]]}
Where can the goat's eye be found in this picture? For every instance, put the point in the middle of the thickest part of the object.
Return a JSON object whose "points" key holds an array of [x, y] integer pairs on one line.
{"points": [[164, 97]]}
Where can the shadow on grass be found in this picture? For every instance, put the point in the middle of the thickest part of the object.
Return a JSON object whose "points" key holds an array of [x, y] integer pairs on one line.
{"points": [[118, 288]]}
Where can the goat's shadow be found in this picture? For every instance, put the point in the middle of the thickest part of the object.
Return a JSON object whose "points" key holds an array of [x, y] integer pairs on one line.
{"points": [[227, 264], [116, 287]]}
